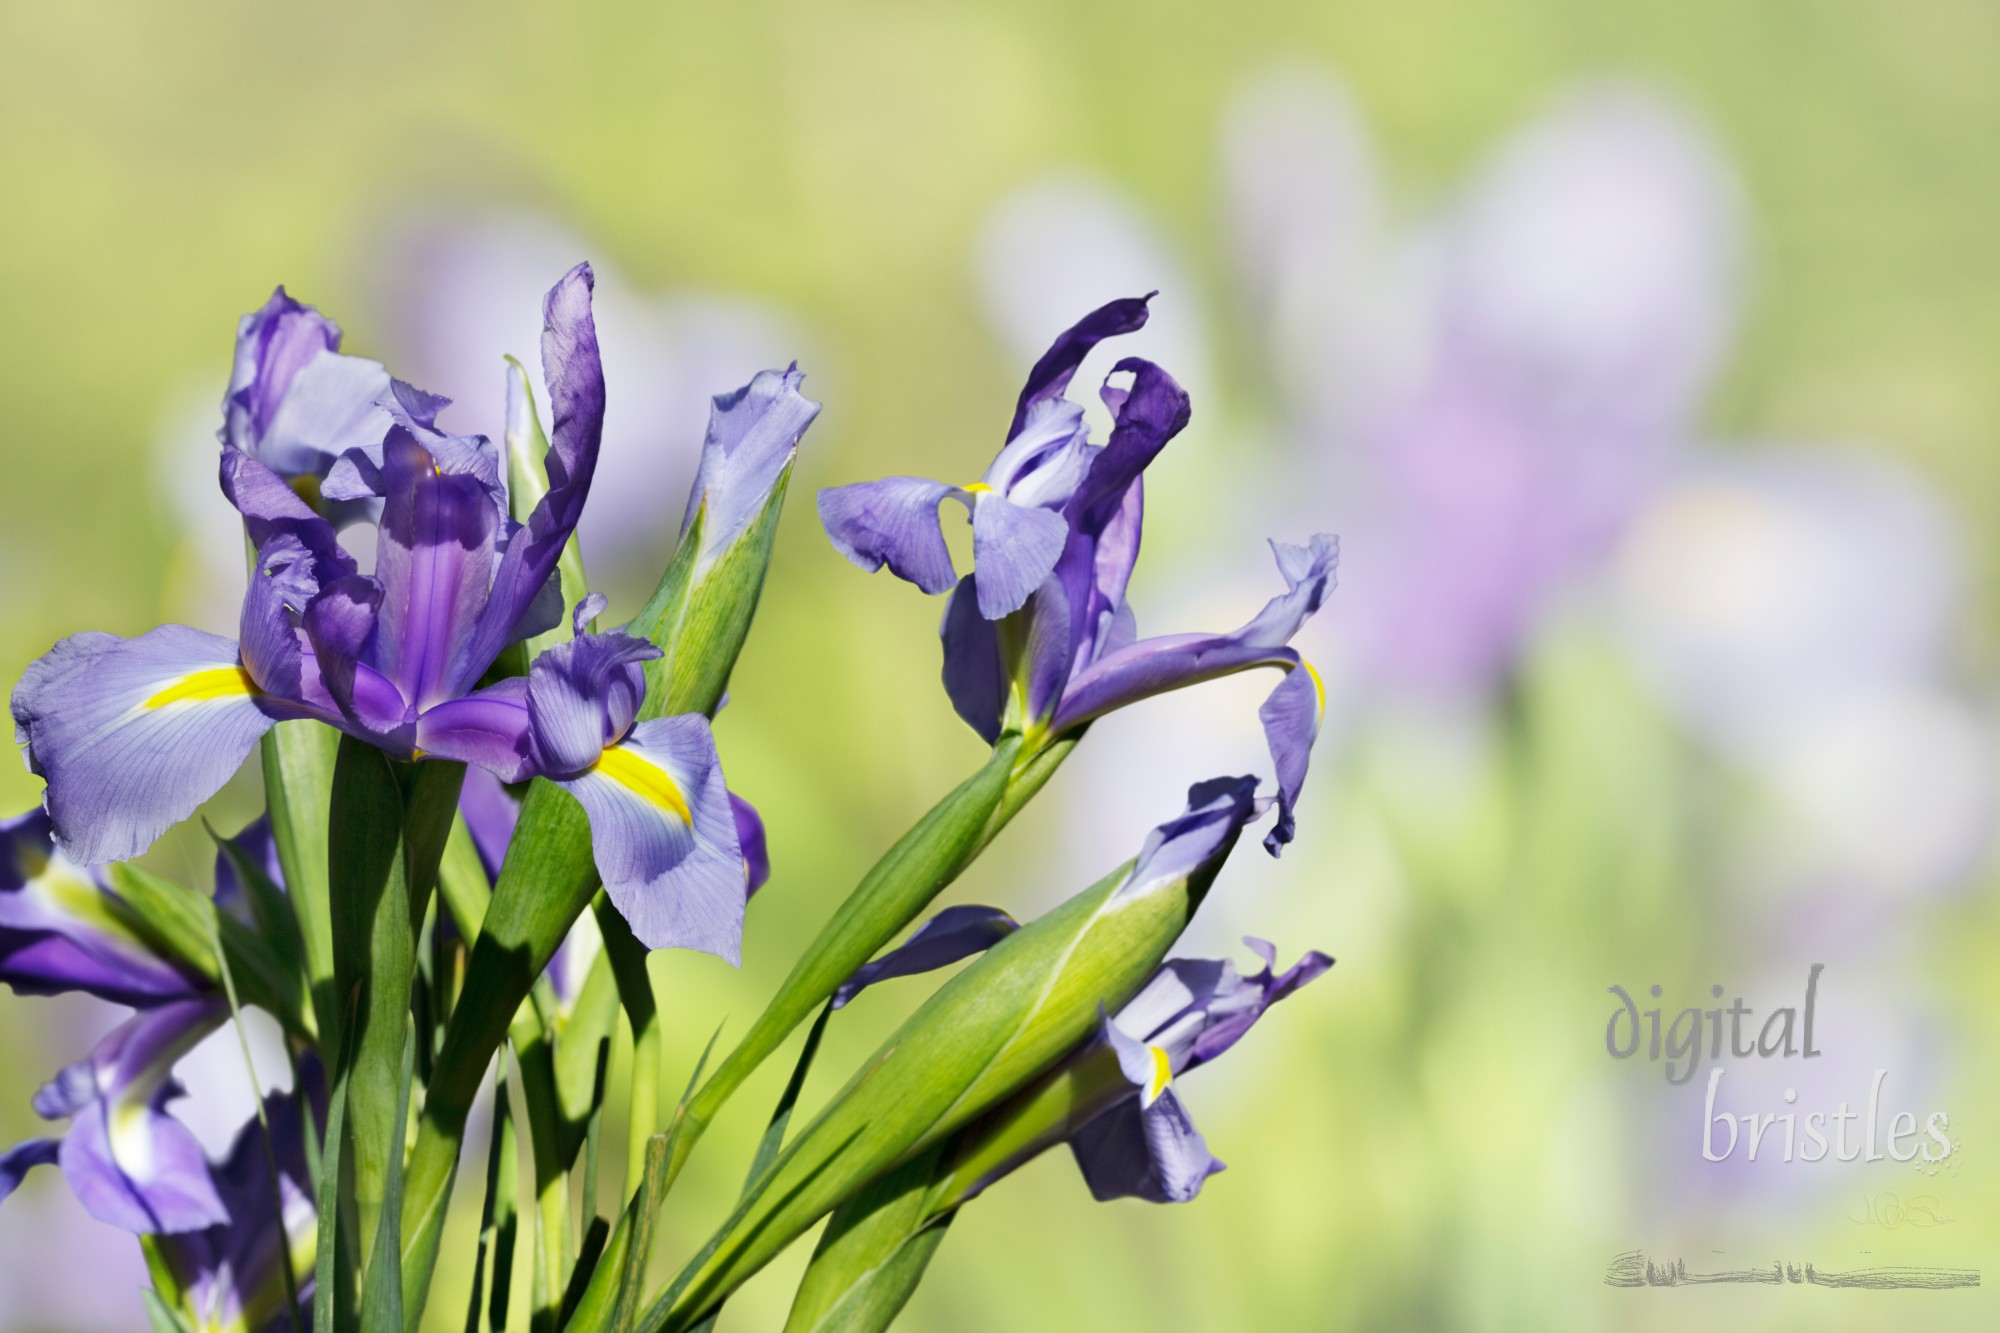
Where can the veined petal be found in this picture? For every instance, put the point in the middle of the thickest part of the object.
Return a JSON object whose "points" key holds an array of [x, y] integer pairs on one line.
{"points": [[751, 841], [665, 837], [438, 534], [62, 929], [127, 1161], [132, 734], [575, 376], [281, 586], [489, 727], [895, 522], [953, 934], [1154, 1153], [1014, 548], [752, 437], [583, 695], [1291, 717]]}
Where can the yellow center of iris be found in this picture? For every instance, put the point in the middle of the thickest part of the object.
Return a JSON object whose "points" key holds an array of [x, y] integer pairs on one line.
{"points": [[228, 682], [976, 488], [1163, 1074], [649, 782]]}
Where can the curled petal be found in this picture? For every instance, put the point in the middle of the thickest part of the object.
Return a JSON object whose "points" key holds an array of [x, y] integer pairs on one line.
{"points": [[331, 407], [22, 1158], [665, 837], [1291, 717], [1198, 838], [273, 344], [281, 585], [750, 838], [1051, 375], [132, 734], [893, 521], [953, 934], [583, 695], [271, 508]]}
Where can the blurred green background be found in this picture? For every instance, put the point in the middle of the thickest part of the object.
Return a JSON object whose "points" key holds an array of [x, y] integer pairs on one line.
{"points": [[1431, 1137]]}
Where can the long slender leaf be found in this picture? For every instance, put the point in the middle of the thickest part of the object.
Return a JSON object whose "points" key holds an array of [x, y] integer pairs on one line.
{"points": [[162, 1319], [774, 1133], [499, 1156], [329, 1312], [382, 1296]]}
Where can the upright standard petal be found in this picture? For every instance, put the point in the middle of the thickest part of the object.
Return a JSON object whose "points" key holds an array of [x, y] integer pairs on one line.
{"points": [[1051, 375], [132, 734], [753, 434], [665, 836], [127, 1161], [62, 929]]}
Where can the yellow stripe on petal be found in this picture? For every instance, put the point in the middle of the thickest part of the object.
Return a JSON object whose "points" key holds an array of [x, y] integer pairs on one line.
{"points": [[230, 682], [648, 781], [1163, 1074], [1318, 684]]}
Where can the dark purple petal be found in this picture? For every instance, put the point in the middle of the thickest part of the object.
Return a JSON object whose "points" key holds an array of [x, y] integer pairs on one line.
{"points": [[582, 696], [341, 625], [1154, 1153], [665, 837], [750, 839], [752, 437], [895, 522], [953, 934], [1225, 1023], [281, 585], [292, 401], [435, 563], [1051, 374], [975, 675], [1291, 717], [260, 849], [489, 727], [1014, 548], [22, 1158], [132, 734], [128, 1162], [62, 929], [575, 377], [491, 812]]}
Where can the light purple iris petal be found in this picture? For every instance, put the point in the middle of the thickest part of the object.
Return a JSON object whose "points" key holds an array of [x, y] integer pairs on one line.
{"points": [[489, 727], [1154, 1153], [953, 934], [1051, 375], [582, 696], [273, 344], [281, 585], [435, 562], [1044, 464], [491, 812], [891, 522], [975, 676], [22, 1158], [753, 434], [122, 763], [575, 376], [1226, 1022], [751, 841], [329, 408], [1201, 835], [681, 884], [1291, 718], [62, 929], [1014, 548], [128, 1162]]}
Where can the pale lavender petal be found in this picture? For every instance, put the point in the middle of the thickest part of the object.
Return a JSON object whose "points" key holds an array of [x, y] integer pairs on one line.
{"points": [[753, 434], [665, 837], [1014, 548], [330, 407], [132, 734], [1291, 717], [955, 933], [895, 522]]}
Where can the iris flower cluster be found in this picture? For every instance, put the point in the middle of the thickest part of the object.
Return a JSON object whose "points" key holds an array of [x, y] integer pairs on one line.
{"points": [[484, 812]]}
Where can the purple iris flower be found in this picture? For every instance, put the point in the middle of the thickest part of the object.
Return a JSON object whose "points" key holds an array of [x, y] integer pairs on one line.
{"points": [[62, 928], [230, 1273], [132, 734], [127, 1161], [1131, 1136], [1145, 1146], [1044, 644]]}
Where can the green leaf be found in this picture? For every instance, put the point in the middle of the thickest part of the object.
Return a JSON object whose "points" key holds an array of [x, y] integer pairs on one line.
{"points": [[389, 825], [298, 759], [330, 1298], [496, 1214], [162, 1319], [635, 994], [872, 1254], [774, 1132], [382, 1298]]}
